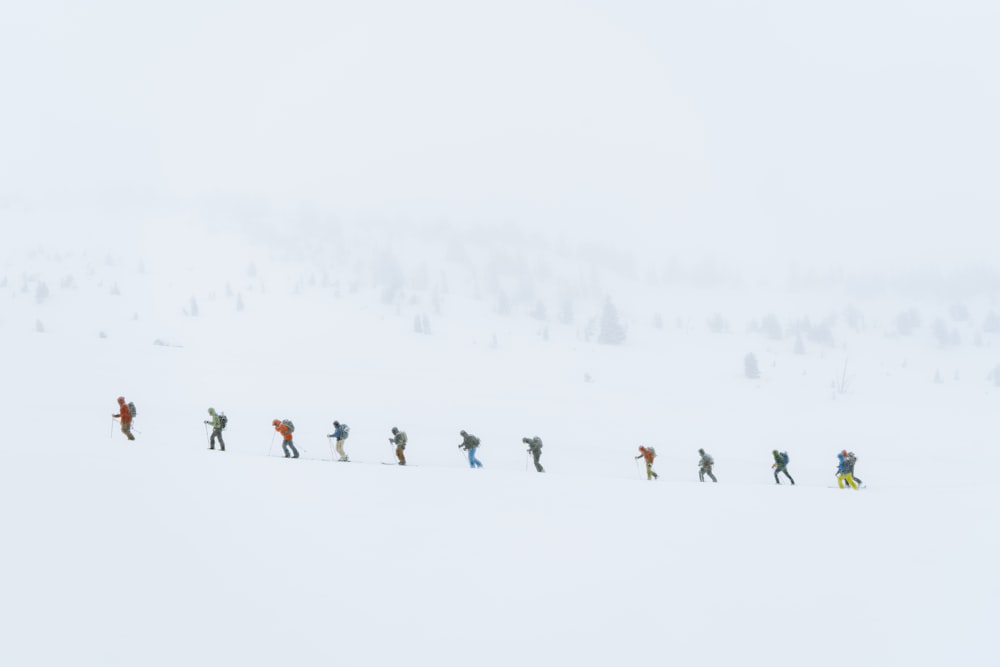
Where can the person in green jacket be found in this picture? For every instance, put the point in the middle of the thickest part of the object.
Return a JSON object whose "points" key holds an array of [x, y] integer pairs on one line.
{"points": [[781, 465], [218, 423]]}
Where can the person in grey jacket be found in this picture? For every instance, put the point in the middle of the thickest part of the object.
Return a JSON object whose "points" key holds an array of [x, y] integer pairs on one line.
{"points": [[218, 423], [470, 443], [399, 440], [705, 466], [535, 449]]}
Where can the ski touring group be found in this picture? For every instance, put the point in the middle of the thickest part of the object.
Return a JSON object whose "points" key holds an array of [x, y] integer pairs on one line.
{"points": [[217, 422]]}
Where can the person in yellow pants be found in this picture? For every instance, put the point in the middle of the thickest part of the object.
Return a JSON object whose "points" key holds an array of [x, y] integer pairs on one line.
{"points": [[649, 454], [844, 473]]}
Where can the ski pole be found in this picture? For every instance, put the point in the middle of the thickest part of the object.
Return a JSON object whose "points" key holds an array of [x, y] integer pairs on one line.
{"points": [[207, 436], [271, 448], [330, 442], [111, 433], [637, 469], [527, 457]]}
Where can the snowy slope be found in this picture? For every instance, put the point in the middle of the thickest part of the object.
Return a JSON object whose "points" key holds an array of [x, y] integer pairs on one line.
{"points": [[160, 552]]}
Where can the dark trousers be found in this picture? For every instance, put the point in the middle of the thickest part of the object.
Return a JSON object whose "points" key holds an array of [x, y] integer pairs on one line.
{"points": [[537, 454], [287, 445], [217, 433], [784, 470]]}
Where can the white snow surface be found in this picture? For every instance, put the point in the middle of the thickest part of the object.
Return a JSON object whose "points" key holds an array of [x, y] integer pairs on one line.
{"points": [[160, 552]]}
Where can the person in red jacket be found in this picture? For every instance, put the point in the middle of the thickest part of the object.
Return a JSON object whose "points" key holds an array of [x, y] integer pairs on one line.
{"points": [[286, 444], [125, 415], [649, 454]]}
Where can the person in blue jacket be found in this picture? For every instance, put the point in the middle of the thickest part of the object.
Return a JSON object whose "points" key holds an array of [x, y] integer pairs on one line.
{"points": [[340, 433], [844, 472]]}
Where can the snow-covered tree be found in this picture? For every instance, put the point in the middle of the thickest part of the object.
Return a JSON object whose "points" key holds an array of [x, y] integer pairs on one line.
{"points": [[611, 332], [41, 292]]}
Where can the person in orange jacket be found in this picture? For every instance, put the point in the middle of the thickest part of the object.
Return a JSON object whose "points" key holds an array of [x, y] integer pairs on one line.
{"points": [[286, 444], [649, 454], [125, 415]]}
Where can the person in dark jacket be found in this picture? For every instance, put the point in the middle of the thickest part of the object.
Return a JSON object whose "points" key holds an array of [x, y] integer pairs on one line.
{"points": [[851, 459], [535, 449], [470, 443], [780, 465], [705, 466], [217, 427]]}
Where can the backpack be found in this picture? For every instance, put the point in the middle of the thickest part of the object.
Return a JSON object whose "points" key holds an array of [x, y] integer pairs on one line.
{"points": [[784, 458], [289, 424], [131, 409], [223, 420], [652, 451], [345, 431]]}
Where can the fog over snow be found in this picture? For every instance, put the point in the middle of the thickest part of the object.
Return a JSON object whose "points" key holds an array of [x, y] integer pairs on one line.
{"points": [[738, 226]]}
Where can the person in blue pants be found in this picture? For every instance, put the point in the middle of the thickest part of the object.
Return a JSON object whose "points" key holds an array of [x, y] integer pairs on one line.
{"points": [[470, 443]]}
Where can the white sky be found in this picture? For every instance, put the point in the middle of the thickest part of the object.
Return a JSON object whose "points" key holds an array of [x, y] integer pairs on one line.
{"points": [[849, 130]]}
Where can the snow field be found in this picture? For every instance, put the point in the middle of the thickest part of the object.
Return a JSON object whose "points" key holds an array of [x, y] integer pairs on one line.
{"points": [[159, 552]]}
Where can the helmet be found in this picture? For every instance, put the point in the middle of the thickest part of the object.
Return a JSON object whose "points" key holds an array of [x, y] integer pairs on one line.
{"points": [[276, 422], [462, 433], [524, 440], [121, 399], [395, 430], [336, 423], [701, 451]]}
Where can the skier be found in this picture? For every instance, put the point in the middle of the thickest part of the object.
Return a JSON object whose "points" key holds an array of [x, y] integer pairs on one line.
{"points": [[851, 460], [780, 465], [218, 423], [470, 443], [705, 466], [399, 439], [535, 448], [649, 454], [125, 415], [844, 473], [286, 443], [340, 433]]}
